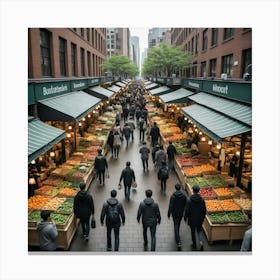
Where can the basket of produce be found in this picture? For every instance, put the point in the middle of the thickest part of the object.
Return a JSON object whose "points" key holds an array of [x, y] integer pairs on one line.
{"points": [[64, 184], [36, 202], [213, 206], [43, 190], [200, 181], [53, 204], [223, 192], [207, 193], [229, 205], [53, 191], [215, 181], [66, 207], [52, 181], [68, 192], [244, 203], [237, 217], [218, 218], [33, 218], [60, 219]]}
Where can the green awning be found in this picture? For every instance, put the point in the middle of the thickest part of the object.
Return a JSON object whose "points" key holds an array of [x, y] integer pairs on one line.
{"points": [[151, 86], [147, 83], [178, 96], [98, 89], [120, 84], [114, 88], [233, 109], [41, 138], [160, 90], [214, 124], [72, 106]]}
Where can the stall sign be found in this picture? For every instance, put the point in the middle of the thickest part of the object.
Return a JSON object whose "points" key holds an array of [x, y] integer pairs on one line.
{"points": [[47, 90]]}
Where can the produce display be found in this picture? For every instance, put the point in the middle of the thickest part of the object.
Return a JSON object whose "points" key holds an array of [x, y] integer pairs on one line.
{"points": [[229, 205], [52, 180], [244, 203], [236, 217], [198, 170], [43, 190], [175, 137], [182, 148], [68, 192], [213, 205], [59, 219], [190, 161], [34, 216], [53, 204], [200, 181], [223, 192], [216, 181], [53, 191], [64, 184], [66, 207], [207, 193], [37, 201], [218, 218]]}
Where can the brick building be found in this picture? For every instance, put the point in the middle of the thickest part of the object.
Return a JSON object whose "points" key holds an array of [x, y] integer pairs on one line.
{"points": [[66, 52], [218, 52]]}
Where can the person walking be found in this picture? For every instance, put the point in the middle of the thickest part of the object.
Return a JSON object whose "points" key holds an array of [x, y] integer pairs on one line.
{"points": [[100, 165], [126, 133], [160, 157], [154, 150], [163, 175], [176, 209], [138, 115], [154, 133], [113, 210], [110, 141], [132, 128], [116, 145], [125, 113], [83, 209], [150, 213], [171, 152], [142, 129], [47, 232], [144, 151], [195, 213], [128, 176]]}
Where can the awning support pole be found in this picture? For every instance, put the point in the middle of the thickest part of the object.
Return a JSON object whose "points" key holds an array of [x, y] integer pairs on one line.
{"points": [[241, 160], [75, 135]]}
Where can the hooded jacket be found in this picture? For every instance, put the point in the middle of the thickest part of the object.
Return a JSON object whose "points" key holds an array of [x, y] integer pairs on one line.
{"points": [[100, 163], [177, 205], [149, 211], [144, 151], [127, 176], [155, 132], [195, 210], [113, 202], [47, 235], [83, 205]]}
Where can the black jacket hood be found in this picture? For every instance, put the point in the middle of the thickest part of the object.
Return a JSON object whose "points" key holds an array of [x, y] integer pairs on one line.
{"points": [[82, 195], [148, 201], [178, 194], [112, 201], [196, 198]]}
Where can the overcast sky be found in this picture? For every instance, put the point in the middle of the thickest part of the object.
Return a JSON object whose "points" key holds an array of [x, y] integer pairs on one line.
{"points": [[142, 33]]}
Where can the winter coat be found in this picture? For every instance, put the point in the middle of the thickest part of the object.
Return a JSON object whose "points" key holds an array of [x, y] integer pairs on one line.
{"points": [[149, 211], [117, 140], [100, 163], [126, 131], [104, 212], [161, 174], [195, 210], [47, 235], [171, 151], [83, 205], [144, 151], [142, 125], [110, 140], [131, 125], [154, 133], [127, 176], [160, 157], [177, 205]]}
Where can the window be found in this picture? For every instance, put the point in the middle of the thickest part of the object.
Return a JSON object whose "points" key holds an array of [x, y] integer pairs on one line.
{"points": [[45, 46], [203, 69], [194, 69], [73, 59], [88, 62], [228, 33], [192, 44], [196, 43], [227, 64], [93, 65], [92, 36], [247, 61], [82, 32], [204, 39], [82, 62], [62, 56], [214, 39], [88, 34], [212, 70]]}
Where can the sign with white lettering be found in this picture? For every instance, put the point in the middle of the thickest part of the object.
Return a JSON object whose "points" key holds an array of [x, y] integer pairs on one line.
{"points": [[78, 85], [195, 84], [46, 90], [93, 82]]}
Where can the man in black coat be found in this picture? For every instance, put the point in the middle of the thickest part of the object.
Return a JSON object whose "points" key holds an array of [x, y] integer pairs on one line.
{"points": [[149, 211], [128, 176], [113, 210], [195, 213], [171, 152], [154, 133], [100, 165], [177, 205], [83, 208]]}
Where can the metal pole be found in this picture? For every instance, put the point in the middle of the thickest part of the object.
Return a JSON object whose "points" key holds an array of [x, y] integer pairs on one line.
{"points": [[241, 160]]}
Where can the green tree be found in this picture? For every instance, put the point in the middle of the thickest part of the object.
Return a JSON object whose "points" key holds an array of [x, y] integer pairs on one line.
{"points": [[165, 60], [120, 65]]}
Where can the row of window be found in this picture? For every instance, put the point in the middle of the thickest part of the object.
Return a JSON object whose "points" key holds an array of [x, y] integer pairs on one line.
{"points": [[92, 60]]}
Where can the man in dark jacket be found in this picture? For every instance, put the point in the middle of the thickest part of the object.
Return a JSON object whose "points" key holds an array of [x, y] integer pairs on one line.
{"points": [[126, 133], [142, 129], [113, 210], [47, 232], [110, 141], [171, 152], [177, 205], [144, 151], [154, 133], [100, 165], [163, 175], [83, 208], [195, 213], [128, 176], [149, 211], [160, 157]]}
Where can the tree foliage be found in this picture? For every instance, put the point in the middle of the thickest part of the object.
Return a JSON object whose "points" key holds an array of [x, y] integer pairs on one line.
{"points": [[165, 60], [120, 65]]}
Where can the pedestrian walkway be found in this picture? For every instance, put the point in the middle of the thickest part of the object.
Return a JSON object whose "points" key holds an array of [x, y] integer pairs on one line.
{"points": [[131, 237]]}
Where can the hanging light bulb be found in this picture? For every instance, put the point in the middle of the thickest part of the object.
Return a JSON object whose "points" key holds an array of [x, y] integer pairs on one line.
{"points": [[80, 124], [200, 133], [52, 154], [185, 118], [172, 110], [237, 153], [89, 116], [33, 162], [210, 142], [68, 135], [178, 108], [196, 130], [203, 139], [84, 119], [40, 158], [218, 146], [194, 125], [70, 127]]}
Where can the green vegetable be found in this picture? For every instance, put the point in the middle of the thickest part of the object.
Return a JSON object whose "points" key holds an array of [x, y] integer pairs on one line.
{"points": [[34, 216], [236, 217], [219, 218], [59, 219]]}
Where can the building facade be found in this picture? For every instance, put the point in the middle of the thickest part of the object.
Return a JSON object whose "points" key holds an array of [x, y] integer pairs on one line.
{"points": [[218, 52], [66, 52], [136, 50], [156, 36]]}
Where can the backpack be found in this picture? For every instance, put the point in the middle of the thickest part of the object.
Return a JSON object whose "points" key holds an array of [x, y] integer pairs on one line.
{"points": [[113, 213], [164, 173]]}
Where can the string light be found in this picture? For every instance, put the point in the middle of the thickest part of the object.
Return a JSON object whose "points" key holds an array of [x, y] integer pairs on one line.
{"points": [[70, 127], [200, 133], [80, 124], [218, 146], [237, 153], [210, 142], [68, 135], [52, 154], [84, 119], [33, 162], [203, 139]]}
